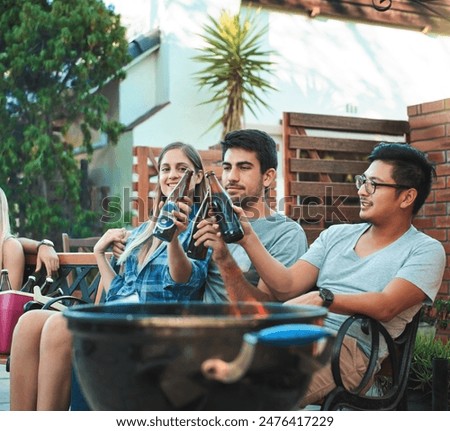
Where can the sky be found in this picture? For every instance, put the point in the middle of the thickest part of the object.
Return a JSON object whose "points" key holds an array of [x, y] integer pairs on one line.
{"points": [[135, 15]]}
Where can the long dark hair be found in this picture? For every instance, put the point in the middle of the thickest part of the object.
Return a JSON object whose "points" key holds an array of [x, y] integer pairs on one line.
{"points": [[199, 193]]}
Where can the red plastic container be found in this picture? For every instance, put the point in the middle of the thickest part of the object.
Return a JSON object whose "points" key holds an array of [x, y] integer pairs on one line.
{"points": [[11, 308]]}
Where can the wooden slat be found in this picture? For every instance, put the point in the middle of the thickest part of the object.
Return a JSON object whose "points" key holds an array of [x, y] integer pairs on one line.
{"points": [[69, 258], [403, 13], [328, 213], [287, 155], [317, 168], [362, 7], [309, 188], [143, 183], [328, 166], [348, 124], [338, 145]]}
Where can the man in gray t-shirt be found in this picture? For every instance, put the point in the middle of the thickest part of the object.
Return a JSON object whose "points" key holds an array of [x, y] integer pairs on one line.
{"points": [[383, 268], [414, 257], [249, 168]]}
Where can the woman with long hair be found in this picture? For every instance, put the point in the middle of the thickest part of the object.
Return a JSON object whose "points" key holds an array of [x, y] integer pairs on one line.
{"points": [[12, 257], [155, 270], [152, 270]]}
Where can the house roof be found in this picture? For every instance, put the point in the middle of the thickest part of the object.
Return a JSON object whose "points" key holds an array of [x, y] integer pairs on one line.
{"points": [[422, 15], [143, 43]]}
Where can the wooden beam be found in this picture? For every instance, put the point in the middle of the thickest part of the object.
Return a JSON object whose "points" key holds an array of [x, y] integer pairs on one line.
{"points": [[349, 124], [329, 213], [328, 166], [312, 189], [335, 145], [416, 15], [69, 258]]}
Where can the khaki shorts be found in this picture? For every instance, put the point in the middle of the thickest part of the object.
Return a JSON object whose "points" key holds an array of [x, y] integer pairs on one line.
{"points": [[353, 366]]}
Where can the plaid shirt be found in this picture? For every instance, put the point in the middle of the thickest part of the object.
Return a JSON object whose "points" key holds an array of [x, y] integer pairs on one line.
{"points": [[152, 281]]}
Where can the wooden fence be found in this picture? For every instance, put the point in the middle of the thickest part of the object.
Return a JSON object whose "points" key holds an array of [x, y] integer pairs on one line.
{"points": [[321, 156]]}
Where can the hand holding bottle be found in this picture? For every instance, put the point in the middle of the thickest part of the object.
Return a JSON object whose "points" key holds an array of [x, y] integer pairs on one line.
{"points": [[170, 217], [199, 251], [245, 224], [181, 216], [208, 234], [222, 208]]}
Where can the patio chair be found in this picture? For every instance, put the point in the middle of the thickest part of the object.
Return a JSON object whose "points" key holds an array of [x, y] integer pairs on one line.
{"points": [[82, 245], [393, 374]]}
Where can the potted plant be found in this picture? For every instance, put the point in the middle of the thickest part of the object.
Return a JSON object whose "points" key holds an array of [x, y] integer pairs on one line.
{"points": [[426, 348], [442, 311]]}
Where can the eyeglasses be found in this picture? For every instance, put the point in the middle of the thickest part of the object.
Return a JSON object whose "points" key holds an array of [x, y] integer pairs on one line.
{"points": [[371, 186]]}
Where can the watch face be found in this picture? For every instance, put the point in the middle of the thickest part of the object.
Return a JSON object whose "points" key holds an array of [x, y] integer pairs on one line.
{"points": [[327, 296]]}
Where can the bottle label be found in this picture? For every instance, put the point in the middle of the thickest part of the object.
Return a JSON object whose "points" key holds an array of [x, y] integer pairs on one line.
{"points": [[165, 219]]}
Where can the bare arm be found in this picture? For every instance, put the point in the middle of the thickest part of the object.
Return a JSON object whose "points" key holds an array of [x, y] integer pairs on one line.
{"points": [[180, 267], [30, 246], [238, 288], [46, 255], [396, 297], [284, 283], [109, 238], [14, 261]]}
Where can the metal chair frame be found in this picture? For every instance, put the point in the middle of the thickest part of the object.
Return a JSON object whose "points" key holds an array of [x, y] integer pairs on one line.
{"points": [[396, 366]]}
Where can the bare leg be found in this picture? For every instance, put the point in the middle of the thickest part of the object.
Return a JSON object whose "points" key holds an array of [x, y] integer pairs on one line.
{"points": [[25, 359], [54, 379]]}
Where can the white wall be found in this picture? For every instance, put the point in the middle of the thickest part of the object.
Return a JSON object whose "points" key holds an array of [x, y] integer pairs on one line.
{"points": [[332, 63], [138, 91], [324, 66]]}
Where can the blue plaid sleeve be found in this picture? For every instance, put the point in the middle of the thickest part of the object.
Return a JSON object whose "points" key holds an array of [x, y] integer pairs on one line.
{"points": [[194, 286]]}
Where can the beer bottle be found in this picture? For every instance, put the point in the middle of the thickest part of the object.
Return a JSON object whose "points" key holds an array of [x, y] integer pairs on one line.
{"points": [[227, 219], [55, 293], [46, 285], [165, 227], [29, 284], [193, 251], [5, 284]]}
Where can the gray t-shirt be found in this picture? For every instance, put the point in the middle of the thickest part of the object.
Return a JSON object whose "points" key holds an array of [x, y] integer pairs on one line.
{"points": [[283, 238], [415, 257]]}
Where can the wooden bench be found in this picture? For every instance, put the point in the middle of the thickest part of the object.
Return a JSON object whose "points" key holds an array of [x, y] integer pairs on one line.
{"points": [[81, 268]]}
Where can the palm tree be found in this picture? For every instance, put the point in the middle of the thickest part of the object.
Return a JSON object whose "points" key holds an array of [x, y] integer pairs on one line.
{"points": [[234, 67]]}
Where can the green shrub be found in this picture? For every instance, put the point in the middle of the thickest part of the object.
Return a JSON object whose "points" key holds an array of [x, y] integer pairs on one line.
{"points": [[425, 350]]}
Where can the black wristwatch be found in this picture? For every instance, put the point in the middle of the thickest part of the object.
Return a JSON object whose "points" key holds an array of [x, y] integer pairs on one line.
{"points": [[45, 242], [327, 297]]}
